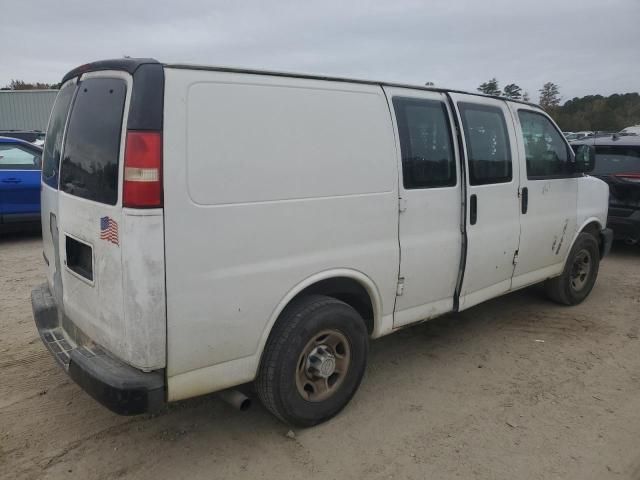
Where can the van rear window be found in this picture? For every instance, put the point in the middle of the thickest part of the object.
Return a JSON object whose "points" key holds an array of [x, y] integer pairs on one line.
{"points": [[611, 160], [92, 144], [53, 140]]}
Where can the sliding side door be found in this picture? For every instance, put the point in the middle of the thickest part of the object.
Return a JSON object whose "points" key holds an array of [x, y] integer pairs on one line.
{"points": [[430, 204], [492, 223]]}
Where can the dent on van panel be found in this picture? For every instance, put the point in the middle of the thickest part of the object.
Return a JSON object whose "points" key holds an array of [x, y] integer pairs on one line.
{"points": [[557, 240]]}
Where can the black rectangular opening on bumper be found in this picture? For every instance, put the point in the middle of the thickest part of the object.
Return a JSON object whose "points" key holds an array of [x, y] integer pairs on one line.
{"points": [[121, 388]]}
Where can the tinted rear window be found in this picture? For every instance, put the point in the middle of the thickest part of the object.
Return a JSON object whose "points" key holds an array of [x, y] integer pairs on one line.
{"points": [[53, 141], [617, 159], [92, 145]]}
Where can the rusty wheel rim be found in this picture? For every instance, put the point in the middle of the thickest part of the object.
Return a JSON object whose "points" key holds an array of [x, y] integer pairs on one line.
{"points": [[580, 270], [323, 365]]}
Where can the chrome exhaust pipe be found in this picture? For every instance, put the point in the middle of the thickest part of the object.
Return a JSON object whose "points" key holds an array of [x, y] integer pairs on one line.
{"points": [[236, 399]]}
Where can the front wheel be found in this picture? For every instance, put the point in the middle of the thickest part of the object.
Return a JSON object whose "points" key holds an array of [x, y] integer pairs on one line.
{"points": [[580, 272], [314, 361]]}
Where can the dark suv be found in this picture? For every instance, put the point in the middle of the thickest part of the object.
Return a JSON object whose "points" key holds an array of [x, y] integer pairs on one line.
{"points": [[618, 164]]}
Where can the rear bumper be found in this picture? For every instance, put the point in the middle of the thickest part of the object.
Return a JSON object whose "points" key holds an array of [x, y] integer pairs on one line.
{"points": [[606, 234], [625, 227], [119, 387]]}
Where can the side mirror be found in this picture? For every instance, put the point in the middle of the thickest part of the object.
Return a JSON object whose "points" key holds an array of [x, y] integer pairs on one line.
{"points": [[585, 158]]}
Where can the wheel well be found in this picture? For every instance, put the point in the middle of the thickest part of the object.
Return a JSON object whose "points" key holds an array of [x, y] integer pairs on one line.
{"points": [[594, 228], [348, 291]]}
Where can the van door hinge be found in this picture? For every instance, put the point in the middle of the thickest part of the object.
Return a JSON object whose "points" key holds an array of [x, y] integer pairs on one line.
{"points": [[400, 287], [402, 204], [515, 257]]}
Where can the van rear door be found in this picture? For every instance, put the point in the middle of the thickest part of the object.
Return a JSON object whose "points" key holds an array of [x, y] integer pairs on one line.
{"points": [[51, 156], [112, 258]]}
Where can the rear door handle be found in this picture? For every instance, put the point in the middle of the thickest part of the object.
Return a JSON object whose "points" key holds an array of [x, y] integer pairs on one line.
{"points": [[11, 180], [525, 200], [473, 209]]}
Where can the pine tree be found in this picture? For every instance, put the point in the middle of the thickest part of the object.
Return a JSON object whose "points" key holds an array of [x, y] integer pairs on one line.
{"points": [[549, 96], [490, 87], [512, 91]]}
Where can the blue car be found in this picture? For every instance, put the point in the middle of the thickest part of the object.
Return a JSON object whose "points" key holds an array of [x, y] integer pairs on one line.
{"points": [[20, 165]]}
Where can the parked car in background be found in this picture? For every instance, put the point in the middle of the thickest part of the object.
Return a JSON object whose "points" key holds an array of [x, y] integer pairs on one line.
{"points": [[572, 136], [20, 164], [584, 134], [618, 164], [633, 130], [32, 136]]}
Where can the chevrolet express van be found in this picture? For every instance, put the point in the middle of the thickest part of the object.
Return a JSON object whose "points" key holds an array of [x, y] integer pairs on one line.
{"points": [[208, 227]]}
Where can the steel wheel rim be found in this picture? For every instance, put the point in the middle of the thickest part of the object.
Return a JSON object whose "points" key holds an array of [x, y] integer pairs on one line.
{"points": [[580, 270], [323, 365]]}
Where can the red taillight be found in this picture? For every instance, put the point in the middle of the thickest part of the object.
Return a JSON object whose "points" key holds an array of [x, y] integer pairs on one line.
{"points": [[629, 177], [142, 170]]}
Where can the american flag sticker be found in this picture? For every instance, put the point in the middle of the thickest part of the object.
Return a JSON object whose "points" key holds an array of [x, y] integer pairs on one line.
{"points": [[109, 230]]}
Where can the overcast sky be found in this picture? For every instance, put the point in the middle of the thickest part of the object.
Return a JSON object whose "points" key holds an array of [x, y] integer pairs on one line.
{"points": [[585, 46]]}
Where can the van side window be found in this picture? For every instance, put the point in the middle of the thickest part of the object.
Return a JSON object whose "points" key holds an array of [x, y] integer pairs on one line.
{"points": [[545, 149], [14, 157], [425, 142], [487, 141]]}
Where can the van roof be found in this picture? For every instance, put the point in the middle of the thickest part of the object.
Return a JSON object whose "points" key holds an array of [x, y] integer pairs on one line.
{"points": [[130, 65]]}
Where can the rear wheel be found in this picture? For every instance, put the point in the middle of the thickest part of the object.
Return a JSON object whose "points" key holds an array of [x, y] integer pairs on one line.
{"points": [[314, 361], [580, 272]]}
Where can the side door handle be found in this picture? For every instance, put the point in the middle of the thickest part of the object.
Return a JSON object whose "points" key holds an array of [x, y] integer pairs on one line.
{"points": [[11, 180], [525, 200], [473, 209]]}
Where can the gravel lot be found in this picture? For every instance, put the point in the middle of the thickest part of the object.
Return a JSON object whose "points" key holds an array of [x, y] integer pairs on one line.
{"points": [[517, 388]]}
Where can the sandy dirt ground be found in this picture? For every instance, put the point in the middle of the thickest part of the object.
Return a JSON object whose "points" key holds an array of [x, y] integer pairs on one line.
{"points": [[517, 388]]}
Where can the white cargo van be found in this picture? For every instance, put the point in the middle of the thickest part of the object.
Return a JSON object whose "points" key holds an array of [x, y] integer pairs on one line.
{"points": [[208, 227]]}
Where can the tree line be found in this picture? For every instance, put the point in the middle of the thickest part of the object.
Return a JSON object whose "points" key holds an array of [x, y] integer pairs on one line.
{"points": [[593, 112], [22, 85]]}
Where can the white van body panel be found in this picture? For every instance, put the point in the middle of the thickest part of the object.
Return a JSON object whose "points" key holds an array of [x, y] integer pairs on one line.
{"points": [[592, 194], [232, 373], [268, 182]]}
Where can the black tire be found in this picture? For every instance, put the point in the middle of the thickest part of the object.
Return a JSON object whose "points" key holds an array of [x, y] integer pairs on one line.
{"points": [[277, 381], [570, 288]]}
